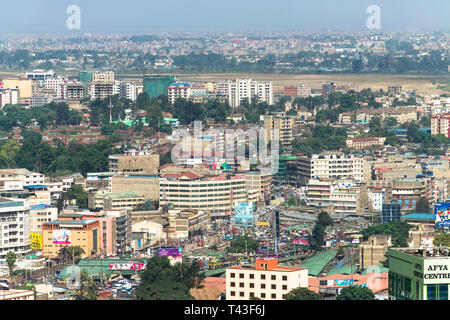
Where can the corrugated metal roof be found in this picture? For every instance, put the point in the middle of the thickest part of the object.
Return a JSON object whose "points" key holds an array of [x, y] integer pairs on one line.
{"points": [[316, 264]]}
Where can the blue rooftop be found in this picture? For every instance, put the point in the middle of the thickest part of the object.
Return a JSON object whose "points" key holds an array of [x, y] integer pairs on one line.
{"points": [[36, 186], [40, 206], [419, 216]]}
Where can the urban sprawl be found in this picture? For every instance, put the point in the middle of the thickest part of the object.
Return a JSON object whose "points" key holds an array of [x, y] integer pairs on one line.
{"points": [[182, 166]]}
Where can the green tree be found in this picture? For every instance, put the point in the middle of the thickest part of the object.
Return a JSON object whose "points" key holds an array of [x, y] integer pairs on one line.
{"points": [[243, 244], [77, 193], [324, 219], [163, 281], [88, 288], [8, 152], [302, 294], [442, 239], [356, 293], [74, 253], [11, 258]]}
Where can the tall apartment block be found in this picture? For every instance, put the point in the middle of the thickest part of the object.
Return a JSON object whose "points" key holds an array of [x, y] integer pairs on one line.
{"points": [[239, 89]]}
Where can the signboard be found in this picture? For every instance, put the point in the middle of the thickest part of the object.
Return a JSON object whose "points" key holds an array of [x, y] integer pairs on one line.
{"points": [[263, 223], [127, 266], [170, 252], [243, 215], [442, 214], [301, 241], [61, 236], [344, 282], [35, 240]]}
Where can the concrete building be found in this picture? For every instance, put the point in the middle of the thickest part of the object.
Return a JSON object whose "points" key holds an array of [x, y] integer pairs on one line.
{"points": [[237, 90], [362, 143], [134, 163], [14, 227], [24, 175], [265, 280], [8, 96], [329, 165], [346, 197], [215, 194], [419, 273], [372, 252], [188, 223], [406, 192], [103, 77], [40, 214], [17, 294], [70, 231], [115, 201], [145, 186], [303, 91], [259, 180], [284, 124], [440, 124]]}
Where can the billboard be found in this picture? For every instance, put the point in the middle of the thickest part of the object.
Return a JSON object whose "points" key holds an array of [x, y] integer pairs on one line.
{"points": [[127, 266], [344, 282], [35, 240], [61, 236], [442, 214], [243, 214], [170, 252], [301, 241]]}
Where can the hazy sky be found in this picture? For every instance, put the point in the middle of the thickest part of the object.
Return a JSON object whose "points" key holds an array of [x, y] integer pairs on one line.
{"points": [[148, 16]]}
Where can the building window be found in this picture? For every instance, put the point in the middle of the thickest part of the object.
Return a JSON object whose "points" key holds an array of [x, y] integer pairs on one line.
{"points": [[241, 284], [273, 277], [274, 296], [241, 275], [232, 275], [431, 291], [252, 276], [274, 287], [284, 287], [263, 286], [232, 284], [251, 285], [443, 291], [241, 294], [252, 294], [232, 293], [284, 278], [263, 277], [284, 296]]}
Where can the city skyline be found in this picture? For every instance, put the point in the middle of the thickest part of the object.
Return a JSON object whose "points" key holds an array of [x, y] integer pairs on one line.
{"points": [[203, 16]]}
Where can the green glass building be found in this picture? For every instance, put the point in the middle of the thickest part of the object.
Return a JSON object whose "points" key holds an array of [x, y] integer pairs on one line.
{"points": [[85, 77], [157, 85], [419, 273]]}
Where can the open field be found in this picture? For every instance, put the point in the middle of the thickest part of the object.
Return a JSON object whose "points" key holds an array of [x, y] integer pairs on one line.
{"points": [[422, 84]]}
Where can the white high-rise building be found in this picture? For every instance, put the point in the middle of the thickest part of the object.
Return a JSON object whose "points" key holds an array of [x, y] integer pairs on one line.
{"points": [[8, 96], [237, 90], [14, 227]]}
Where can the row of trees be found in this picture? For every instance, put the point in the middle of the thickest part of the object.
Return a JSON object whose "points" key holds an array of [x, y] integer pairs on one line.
{"points": [[321, 138], [37, 155], [44, 116]]}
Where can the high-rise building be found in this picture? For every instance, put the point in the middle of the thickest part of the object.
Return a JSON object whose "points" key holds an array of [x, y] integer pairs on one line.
{"points": [[303, 91], [157, 85], [440, 124], [390, 212], [103, 76], [329, 164], [14, 227], [328, 88], [419, 273], [284, 124], [245, 88]]}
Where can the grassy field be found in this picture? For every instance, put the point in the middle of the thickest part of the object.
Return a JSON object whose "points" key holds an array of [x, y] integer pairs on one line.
{"points": [[422, 84]]}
